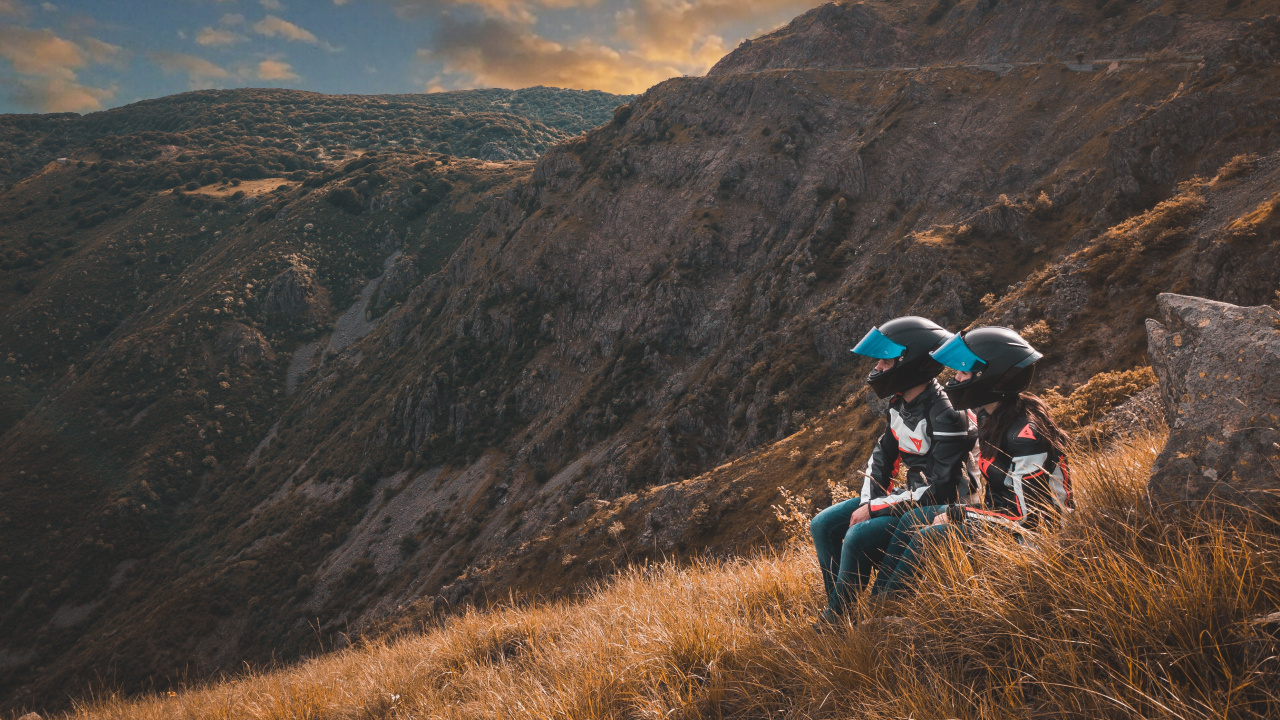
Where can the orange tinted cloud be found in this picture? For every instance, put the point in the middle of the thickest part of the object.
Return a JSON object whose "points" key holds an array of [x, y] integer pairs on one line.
{"points": [[200, 72], [688, 32], [47, 65], [272, 26], [507, 9], [500, 54], [276, 70], [211, 36], [651, 40]]}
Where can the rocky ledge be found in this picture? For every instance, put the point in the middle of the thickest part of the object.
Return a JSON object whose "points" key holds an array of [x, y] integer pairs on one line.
{"points": [[1219, 366]]}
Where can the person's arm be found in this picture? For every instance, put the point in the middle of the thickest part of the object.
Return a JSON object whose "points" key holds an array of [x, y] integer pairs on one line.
{"points": [[881, 467], [951, 439]]}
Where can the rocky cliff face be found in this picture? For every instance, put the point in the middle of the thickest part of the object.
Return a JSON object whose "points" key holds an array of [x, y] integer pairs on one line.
{"points": [[1218, 365], [638, 344], [855, 35]]}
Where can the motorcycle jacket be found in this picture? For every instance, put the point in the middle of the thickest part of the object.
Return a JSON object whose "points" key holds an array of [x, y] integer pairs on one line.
{"points": [[933, 440], [1027, 480]]}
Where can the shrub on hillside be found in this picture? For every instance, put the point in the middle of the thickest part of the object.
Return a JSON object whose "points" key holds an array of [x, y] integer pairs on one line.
{"points": [[1100, 394], [1238, 165], [345, 198]]}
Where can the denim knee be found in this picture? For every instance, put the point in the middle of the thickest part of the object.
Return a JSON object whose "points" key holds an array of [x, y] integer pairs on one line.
{"points": [[833, 518], [878, 530]]}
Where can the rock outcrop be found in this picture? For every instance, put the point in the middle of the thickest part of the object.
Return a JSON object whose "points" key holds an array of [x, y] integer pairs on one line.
{"points": [[243, 344], [1218, 366], [400, 278], [295, 296]]}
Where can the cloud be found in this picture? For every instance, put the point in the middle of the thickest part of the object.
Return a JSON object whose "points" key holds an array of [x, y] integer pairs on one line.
{"points": [[39, 52], [46, 65], [211, 36], [686, 32], [651, 40], [272, 5], [48, 7], [276, 70], [12, 7], [518, 10], [102, 52], [272, 26], [232, 19], [200, 72], [57, 95], [497, 53]]}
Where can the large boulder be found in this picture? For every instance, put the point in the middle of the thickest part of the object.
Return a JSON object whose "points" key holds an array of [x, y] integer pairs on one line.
{"points": [[1219, 370]]}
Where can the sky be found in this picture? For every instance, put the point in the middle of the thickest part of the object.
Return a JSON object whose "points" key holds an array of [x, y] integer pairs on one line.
{"points": [[87, 55]]}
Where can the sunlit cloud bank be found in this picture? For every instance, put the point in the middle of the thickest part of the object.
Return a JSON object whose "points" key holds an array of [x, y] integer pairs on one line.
{"points": [[45, 68], [502, 43]]}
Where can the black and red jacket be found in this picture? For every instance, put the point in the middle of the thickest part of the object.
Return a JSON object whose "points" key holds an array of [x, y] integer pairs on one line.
{"points": [[933, 440], [1026, 479]]}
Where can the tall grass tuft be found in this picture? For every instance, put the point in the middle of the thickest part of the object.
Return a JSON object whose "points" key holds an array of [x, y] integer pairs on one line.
{"points": [[1121, 613]]}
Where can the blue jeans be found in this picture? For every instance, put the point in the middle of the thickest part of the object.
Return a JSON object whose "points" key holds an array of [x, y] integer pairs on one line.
{"points": [[846, 555], [912, 537]]}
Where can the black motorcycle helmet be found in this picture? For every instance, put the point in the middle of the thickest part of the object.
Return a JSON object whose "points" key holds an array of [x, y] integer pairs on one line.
{"points": [[1002, 364], [908, 340]]}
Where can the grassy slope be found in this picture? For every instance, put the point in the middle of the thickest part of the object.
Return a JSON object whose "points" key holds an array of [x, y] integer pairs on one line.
{"points": [[1122, 614]]}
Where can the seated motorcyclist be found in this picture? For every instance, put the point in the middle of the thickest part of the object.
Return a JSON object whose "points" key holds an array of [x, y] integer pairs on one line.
{"points": [[1021, 450], [922, 432]]}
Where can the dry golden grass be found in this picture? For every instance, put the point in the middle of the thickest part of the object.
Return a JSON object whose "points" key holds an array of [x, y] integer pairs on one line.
{"points": [[1123, 613]]}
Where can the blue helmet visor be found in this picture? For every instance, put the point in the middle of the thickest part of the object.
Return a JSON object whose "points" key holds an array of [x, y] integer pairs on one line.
{"points": [[957, 356], [876, 345]]}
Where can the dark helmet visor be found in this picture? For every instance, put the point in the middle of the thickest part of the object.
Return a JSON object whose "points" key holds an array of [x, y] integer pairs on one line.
{"points": [[957, 356], [876, 345]]}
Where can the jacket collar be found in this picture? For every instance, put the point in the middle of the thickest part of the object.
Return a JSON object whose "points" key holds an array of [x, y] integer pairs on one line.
{"points": [[926, 396]]}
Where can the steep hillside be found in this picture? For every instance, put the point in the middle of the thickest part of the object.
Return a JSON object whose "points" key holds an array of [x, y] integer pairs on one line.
{"points": [[598, 374], [167, 270], [289, 130]]}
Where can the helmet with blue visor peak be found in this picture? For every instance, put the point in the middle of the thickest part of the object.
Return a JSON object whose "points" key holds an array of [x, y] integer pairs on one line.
{"points": [[1000, 362], [905, 342]]}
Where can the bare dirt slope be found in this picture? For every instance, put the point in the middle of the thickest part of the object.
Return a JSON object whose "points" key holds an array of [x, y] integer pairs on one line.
{"points": [[609, 367]]}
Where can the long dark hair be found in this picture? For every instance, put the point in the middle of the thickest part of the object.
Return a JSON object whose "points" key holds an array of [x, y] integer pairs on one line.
{"points": [[1012, 410]]}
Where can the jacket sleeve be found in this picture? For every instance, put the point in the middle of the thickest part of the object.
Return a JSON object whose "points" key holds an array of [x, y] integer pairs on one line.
{"points": [[951, 439], [881, 467]]}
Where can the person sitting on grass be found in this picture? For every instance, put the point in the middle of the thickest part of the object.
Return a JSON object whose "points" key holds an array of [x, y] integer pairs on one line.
{"points": [[1021, 451], [922, 431]]}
